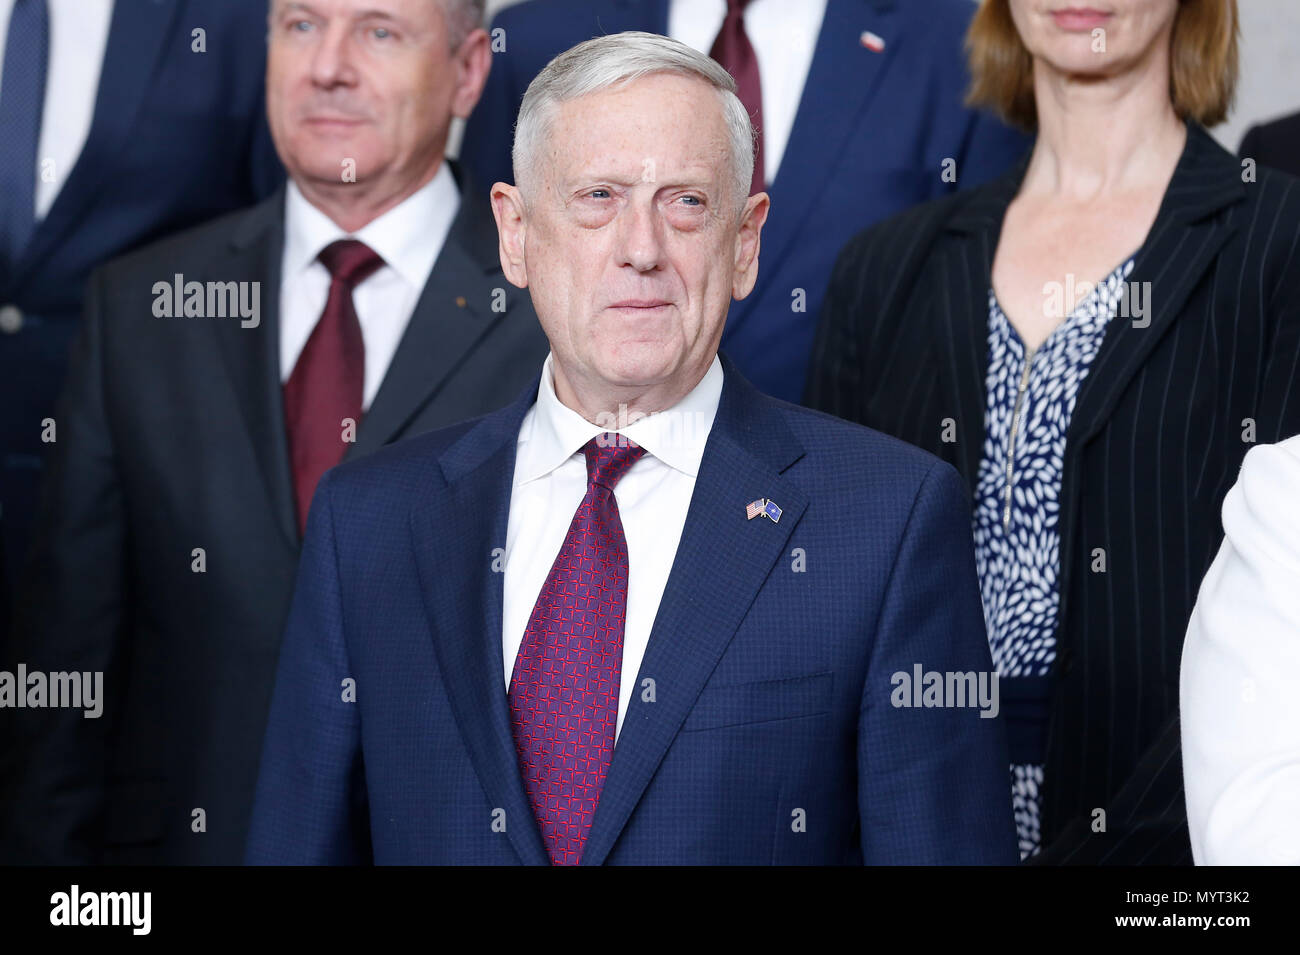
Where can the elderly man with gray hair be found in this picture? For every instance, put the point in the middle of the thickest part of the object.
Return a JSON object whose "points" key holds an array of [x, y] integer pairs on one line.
{"points": [[645, 614]]}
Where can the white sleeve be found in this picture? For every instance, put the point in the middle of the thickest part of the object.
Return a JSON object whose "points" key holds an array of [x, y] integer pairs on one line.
{"points": [[1240, 679]]}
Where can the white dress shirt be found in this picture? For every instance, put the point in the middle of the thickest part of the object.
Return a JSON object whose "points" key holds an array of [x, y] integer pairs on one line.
{"points": [[78, 39], [653, 496], [784, 36], [408, 237], [1240, 680]]}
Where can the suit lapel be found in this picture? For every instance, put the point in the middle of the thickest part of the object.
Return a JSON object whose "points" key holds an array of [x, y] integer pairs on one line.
{"points": [[747, 450], [440, 332], [138, 38], [467, 522], [1184, 241], [963, 275], [453, 313], [252, 355], [842, 64]]}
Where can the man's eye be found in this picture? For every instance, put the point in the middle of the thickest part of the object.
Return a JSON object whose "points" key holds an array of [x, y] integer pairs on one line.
{"points": [[380, 33], [301, 26], [692, 200], [599, 194]]}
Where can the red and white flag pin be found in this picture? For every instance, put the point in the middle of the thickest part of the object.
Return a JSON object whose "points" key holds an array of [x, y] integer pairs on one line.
{"points": [[872, 41]]}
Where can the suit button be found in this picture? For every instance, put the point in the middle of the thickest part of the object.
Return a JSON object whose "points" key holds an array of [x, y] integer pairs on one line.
{"points": [[11, 319]]}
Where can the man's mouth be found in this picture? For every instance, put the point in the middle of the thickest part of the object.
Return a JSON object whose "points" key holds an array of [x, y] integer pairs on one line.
{"points": [[333, 121], [641, 304]]}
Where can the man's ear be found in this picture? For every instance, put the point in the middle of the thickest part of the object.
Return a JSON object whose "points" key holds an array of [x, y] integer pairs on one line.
{"points": [[473, 61], [751, 224], [508, 207]]}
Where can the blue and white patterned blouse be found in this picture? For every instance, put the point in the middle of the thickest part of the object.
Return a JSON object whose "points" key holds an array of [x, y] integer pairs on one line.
{"points": [[1017, 544]]}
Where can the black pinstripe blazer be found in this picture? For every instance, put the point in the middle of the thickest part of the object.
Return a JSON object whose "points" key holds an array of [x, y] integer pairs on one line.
{"points": [[1171, 404]]}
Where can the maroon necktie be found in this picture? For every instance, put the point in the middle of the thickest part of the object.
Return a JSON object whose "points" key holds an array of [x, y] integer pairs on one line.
{"points": [[328, 382], [734, 51], [564, 689]]}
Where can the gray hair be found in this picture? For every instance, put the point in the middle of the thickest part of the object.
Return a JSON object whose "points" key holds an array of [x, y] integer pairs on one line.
{"points": [[463, 18], [607, 61]]}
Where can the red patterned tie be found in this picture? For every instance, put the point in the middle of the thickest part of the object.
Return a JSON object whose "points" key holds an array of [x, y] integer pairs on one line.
{"points": [[564, 690], [328, 382], [733, 50]]}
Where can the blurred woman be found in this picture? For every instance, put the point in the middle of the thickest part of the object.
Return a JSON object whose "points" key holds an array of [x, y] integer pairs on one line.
{"points": [[1094, 341]]}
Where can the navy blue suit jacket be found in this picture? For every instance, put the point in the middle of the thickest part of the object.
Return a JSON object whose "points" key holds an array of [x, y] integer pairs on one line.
{"points": [[870, 139], [177, 137], [771, 708]]}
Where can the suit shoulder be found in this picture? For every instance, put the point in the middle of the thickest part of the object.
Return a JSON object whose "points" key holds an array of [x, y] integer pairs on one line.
{"points": [[547, 29], [241, 13], [1261, 510], [1280, 132], [548, 15], [892, 242], [1274, 189], [192, 244], [940, 22], [408, 463], [857, 450], [1268, 232]]}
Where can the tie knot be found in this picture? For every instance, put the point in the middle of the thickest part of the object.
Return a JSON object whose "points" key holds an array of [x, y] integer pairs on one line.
{"points": [[736, 7], [350, 261], [609, 455]]}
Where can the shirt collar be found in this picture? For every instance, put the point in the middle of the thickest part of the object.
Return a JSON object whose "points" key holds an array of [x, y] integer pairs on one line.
{"points": [[408, 237], [555, 432]]}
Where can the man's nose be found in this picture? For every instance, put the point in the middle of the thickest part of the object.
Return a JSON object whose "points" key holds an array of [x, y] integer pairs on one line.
{"points": [[641, 236], [331, 63]]}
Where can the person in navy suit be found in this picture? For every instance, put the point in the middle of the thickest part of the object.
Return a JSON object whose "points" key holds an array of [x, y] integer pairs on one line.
{"points": [[646, 614], [123, 122], [860, 116]]}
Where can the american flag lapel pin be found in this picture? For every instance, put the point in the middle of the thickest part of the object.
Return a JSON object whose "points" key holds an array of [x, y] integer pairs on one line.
{"points": [[772, 511], [872, 41], [755, 508]]}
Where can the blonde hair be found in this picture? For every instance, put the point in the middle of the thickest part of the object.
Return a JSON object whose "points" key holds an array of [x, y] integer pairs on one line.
{"points": [[1202, 75]]}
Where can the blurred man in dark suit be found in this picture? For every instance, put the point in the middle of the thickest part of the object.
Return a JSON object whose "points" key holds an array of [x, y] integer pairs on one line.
{"points": [[220, 373], [867, 92], [123, 121], [1275, 144]]}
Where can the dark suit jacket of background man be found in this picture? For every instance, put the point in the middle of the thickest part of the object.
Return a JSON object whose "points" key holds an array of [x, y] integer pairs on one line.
{"points": [[172, 438], [1275, 144], [870, 139], [177, 138], [772, 676]]}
